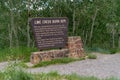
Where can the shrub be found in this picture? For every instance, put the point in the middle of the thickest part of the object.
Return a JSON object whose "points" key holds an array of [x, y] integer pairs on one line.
{"points": [[13, 72], [100, 50], [21, 53], [91, 56], [113, 51]]}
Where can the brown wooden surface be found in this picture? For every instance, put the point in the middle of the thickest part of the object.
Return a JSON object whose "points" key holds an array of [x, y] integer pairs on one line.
{"points": [[50, 32]]}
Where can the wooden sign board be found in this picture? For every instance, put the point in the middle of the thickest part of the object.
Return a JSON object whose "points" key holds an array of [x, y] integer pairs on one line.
{"points": [[50, 32]]}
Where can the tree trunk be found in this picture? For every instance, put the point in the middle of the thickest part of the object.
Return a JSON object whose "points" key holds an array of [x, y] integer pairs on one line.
{"points": [[28, 29], [10, 37], [74, 17], [13, 29], [28, 35], [86, 36], [92, 26], [113, 38], [119, 41]]}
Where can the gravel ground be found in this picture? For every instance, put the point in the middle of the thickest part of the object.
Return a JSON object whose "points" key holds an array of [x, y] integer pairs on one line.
{"points": [[3, 65], [104, 66]]}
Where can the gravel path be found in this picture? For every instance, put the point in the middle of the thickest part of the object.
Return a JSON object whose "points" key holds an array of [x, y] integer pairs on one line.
{"points": [[104, 66], [3, 65]]}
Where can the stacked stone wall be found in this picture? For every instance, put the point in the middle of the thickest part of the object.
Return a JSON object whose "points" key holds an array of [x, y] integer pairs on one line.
{"points": [[74, 49]]}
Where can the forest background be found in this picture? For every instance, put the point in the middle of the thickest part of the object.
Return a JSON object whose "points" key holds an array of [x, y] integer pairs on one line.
{"points": [[96, 21]]}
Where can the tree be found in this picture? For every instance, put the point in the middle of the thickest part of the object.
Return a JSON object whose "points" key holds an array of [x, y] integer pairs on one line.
{"points": [[87, 18]]}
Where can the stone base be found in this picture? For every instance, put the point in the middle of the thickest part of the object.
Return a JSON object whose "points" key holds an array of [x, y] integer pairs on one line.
{"points": [[37, 57], [75, 47]]}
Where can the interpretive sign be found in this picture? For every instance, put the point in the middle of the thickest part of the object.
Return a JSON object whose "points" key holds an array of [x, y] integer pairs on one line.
{"points": [[50, 32]]}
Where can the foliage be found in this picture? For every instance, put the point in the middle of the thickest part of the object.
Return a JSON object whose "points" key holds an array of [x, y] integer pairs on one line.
{"points": [[17, 53], [100, 50], [118, 50], [113, 51], [91, 56], [76, 77], [16, 73], [88, 17], [56, 76], [13, 72]]}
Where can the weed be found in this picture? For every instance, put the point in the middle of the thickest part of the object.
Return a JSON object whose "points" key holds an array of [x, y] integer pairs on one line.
{"points": [[20, 53], [13, 72], [113, 51], [91, 56]]}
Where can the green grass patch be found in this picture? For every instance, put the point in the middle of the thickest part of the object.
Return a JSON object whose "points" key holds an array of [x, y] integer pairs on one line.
{"points": [[102, 50], [56, 76], [14, 72], [17, 53], [91, 56], [49, 76], [57, 61], [118, 50], [113, 51], [76, 77]]}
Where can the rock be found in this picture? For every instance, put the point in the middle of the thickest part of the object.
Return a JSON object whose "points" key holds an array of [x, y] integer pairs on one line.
{"points": [[37, 57], [75, 47]]}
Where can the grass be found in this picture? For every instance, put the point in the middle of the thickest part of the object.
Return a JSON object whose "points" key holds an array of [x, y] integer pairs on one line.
{"points": [[91, 56], [17, 73], [17, 53], [24, 53], [118, 50], [57, 61], [102, 50], [113, 51], [56, 76]]}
